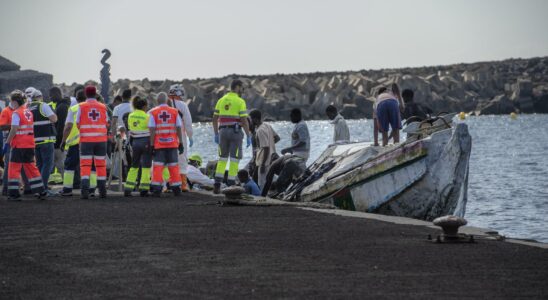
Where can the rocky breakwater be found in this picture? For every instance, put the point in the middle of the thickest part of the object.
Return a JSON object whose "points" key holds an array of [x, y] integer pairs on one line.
{"points": [[12, 77], [497, 87]]}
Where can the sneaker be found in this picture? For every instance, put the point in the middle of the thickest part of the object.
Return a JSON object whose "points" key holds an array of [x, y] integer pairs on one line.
{"points": [[41, 196], [217, 188], [65, 194], [51, 193]]}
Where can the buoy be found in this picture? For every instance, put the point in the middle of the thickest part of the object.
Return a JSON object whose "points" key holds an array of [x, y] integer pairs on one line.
{"points": [[513, 116], [462, 115]]}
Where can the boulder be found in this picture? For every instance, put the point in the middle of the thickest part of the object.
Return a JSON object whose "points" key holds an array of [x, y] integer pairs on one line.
{"points": [[499, 105]]}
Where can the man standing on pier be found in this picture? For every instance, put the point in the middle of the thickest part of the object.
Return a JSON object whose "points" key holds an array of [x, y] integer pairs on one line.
{"points": [[165, 126], [229, 117], [91, 119]]}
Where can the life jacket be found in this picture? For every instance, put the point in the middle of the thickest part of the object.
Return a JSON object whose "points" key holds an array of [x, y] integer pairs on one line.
{"points": [[165, 118], [24, 137], [138, 124], [93, 122], [44, 132]]}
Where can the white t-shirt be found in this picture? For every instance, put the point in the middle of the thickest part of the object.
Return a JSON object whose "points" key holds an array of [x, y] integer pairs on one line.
{"points": [[15, 119], [152, 123], [265, 138], [119, 111]]}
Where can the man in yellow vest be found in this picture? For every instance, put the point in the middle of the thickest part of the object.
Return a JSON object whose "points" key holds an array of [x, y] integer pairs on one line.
{"points": [[139, 136], [229, 117]]}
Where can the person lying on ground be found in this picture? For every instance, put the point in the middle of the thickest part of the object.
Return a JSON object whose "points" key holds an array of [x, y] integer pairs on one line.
{"points": [[195, 176]]}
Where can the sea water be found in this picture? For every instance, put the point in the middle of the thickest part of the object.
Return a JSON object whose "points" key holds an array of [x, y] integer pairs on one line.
{"points": [[508, 183]]}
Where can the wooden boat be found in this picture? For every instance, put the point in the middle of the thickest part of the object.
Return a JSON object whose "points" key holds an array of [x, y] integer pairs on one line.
{"points": [[424, 177]]}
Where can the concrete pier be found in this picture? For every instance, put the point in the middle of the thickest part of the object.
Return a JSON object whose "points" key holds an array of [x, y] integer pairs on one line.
{"points": [[192, 247]]}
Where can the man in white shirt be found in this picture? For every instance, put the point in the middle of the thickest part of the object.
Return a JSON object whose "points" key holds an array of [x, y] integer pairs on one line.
{"points": [[341, 132], [177, 96], [119, 112], [266, 143]]}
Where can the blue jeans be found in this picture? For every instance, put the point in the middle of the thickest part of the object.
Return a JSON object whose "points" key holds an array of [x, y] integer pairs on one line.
{"points": [[44, 161], [5, 177]]}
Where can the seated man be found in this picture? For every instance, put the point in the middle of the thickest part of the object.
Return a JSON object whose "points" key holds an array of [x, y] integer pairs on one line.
{"points": [[249, 185], [195, 176], [288, 168], [412, 108]]}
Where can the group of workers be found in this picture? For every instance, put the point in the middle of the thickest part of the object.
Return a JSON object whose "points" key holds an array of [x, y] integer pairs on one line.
{"points": [[158, 139]]}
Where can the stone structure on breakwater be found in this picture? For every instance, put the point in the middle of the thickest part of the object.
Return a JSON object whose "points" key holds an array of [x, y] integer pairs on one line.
{"points": [[496, 87], [12, 77]]}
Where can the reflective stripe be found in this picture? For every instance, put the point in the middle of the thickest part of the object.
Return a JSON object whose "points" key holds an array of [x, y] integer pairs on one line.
{"points": [[86, 156], [13, 181], [243, 112], [166, 131], [158, 163], [231, 178], [36, 185], [172, 164], [42, 123], [84, 134], [92, 126], [101, 178], [178, 183], [165, 125], [35, 179], [139, 134], [24, 132], [45, 138], [13, 187], [223, 158], [100, 157], [85, 177], [25, 126], [156, 183]]}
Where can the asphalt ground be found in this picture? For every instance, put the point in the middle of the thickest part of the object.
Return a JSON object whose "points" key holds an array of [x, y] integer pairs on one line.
{"points": [[190, 247]]}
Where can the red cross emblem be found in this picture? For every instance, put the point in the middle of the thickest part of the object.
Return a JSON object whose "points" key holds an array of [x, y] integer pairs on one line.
{"points": [[164, 116], [28, 115], [94, 115]]}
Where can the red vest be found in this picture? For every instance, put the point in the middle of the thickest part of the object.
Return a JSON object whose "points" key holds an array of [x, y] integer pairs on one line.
{"points": [[165, 118], [93, 122], [24, 137]]}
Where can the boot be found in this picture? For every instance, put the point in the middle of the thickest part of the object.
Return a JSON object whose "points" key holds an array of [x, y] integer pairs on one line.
{"points": [[144, 193], [84, 193], [176, 191], [127, 193], [184, 184], [217, 188]]}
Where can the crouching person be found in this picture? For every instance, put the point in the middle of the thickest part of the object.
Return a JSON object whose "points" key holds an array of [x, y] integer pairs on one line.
{"points": [[21, 140], [141, 151], [166, 137]]}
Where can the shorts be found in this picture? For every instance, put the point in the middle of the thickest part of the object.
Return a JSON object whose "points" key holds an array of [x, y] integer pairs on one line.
{"points": [[388, 114]]}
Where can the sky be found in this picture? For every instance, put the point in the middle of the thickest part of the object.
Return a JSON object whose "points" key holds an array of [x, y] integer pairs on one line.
{"points": [[163, 39]]}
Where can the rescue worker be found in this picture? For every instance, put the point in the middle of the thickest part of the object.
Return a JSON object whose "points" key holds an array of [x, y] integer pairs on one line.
{"points": [[177, 96], [61, 106], [139, 136], [44, 134], [70, 143], [166, 136], [91, 119], [195, 175], [21, 140], [229, 117]]}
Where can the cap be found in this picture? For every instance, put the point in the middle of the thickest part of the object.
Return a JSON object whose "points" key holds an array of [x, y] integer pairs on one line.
{"points": [[90, 91]]}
